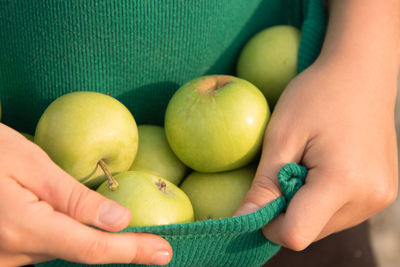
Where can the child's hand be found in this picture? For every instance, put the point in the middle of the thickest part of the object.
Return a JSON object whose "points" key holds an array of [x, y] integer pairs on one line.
{"points": [[336, 118], [346, 137], [43, 212]]}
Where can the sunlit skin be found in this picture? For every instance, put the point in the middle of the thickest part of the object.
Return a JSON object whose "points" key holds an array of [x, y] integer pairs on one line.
{"points": [[336, 118], [43, 202]]}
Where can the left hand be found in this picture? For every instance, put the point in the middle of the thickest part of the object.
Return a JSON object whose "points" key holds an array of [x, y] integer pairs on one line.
{"points": [[327, 120], [337, 119]]}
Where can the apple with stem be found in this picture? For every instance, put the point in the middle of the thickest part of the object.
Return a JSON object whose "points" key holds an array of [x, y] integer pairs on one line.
{"points": [[79, 129], [155, 155], [151, 199], [217, 195], [269, 60], [216, 123]]}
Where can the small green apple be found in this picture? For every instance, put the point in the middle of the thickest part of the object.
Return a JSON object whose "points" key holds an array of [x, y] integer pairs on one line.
{"points": [[216, 123], [151, 199], [154, 154], [217, 195], [78, 129], [269, 60]]}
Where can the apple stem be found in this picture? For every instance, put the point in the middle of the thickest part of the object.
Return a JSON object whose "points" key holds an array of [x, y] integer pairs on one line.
{"points": [[162, 186], [212, 83], [112, 183]]}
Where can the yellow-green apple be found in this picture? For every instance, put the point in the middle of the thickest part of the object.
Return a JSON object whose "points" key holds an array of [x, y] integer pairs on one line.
{"points": [[269, 60], [154, 154], [78, 129], [217, 195], [151, 199], [216, 123]]}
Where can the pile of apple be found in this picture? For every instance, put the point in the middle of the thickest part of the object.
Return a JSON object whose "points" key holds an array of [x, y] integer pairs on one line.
{"points": [[201, 163], [193, 168]]}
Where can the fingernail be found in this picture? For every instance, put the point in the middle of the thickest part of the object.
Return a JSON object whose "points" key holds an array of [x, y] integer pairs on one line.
{"points": [[247, 208], [111, 214], [160, 258]]}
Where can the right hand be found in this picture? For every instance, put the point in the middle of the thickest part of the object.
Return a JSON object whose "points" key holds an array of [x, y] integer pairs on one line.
{"points": [[45, 213]]}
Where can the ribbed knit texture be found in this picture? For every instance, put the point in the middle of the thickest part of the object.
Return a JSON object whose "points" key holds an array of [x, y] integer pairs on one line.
{"points": [[312, 33], [235, 241], [141, 52]]}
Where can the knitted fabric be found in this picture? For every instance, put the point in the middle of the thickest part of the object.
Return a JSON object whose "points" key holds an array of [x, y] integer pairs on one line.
{"points": [[138, 51], [141, 52], [235, 241]]}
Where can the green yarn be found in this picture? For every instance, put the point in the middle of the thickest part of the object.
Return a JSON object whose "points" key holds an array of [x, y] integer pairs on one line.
{"points": [[235, 241], [312, 33], [291, 178], [141, 52]]}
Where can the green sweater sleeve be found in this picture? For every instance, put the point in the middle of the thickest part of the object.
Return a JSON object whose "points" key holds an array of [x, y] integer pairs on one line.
{"points": [[236, 241]]}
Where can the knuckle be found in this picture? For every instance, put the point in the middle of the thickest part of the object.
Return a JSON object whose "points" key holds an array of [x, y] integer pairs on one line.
{"points": [[136, 252], [384, 193], [76, 200], [94, 251], [264, 185], [379, 188], [295, 241]]}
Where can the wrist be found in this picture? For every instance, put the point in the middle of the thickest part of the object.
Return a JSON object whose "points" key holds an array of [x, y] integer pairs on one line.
{"points": [[336, 81], [363, 32], [362, 46]]}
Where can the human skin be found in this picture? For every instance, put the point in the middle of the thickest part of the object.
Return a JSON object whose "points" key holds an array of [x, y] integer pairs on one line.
{"points": [[45, 213], [347, 142], [336, 118]]}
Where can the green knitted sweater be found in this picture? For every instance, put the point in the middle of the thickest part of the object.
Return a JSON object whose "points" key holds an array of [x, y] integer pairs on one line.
{"points": [[141, 52]]}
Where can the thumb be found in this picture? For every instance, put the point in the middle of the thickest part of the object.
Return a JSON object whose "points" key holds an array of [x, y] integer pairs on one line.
{"points": [[277, 152], [67, 195]]}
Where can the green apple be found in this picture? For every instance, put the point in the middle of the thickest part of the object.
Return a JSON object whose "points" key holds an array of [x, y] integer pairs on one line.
{"points": [[217, 195], [79, 129], [154, 154], [216, 123], [269, 60], [151, 199]]}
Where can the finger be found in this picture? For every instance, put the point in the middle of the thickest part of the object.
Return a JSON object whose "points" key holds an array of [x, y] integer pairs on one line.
{"points": [[8, 259], [34, 227], [81, 243], [308, 213], [35, 171], [278, 150]]}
